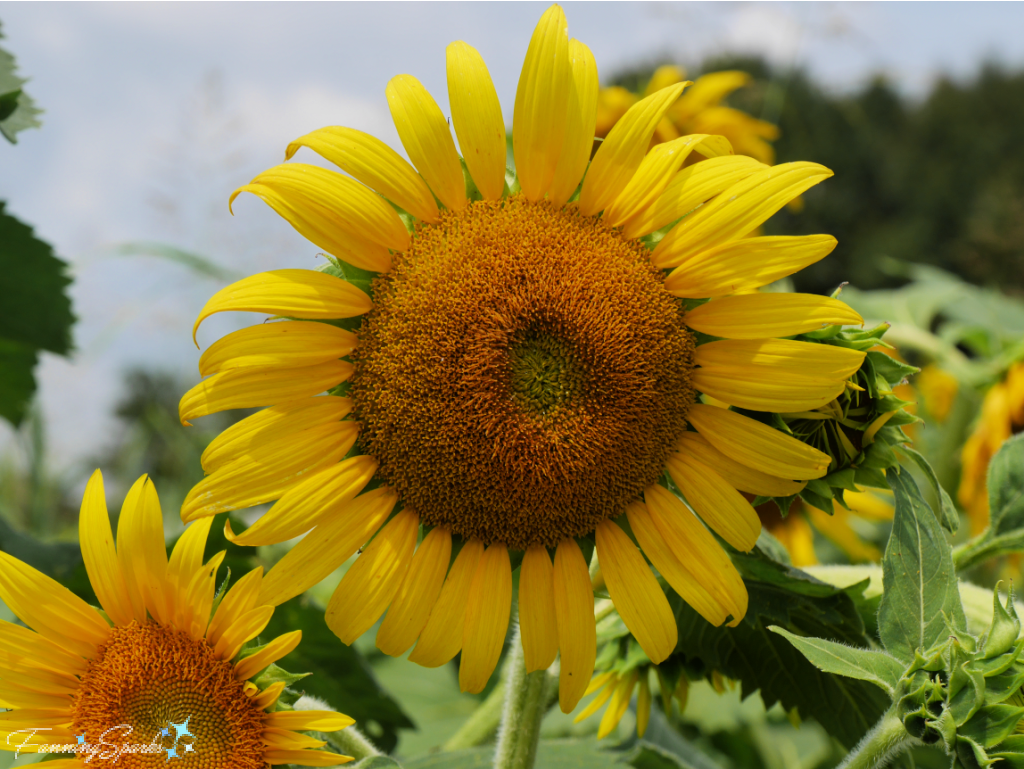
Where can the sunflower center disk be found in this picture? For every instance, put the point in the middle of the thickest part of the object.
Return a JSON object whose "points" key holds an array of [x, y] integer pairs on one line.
{"points": [[523, 374], [149, 678], [544, 374]]}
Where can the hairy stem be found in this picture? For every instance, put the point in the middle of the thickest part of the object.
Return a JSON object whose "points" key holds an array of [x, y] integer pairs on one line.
{"points": [[527, 696], [352, 742], [886, 740]]}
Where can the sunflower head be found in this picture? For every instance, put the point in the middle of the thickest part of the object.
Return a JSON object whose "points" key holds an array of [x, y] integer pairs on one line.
{"points": [[520, 365], [169, 664]]}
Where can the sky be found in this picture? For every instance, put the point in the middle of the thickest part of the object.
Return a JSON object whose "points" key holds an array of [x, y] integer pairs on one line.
{"points": [[155, 112]]}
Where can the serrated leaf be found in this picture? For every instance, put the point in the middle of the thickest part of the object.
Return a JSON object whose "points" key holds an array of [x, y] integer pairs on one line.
{"points": [[947, 514], [37, 311], [761, 660], [920, 583], [18, 110], [863, 664], [890, 369]]}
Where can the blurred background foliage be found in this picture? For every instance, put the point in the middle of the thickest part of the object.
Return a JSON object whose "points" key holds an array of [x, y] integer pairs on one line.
{"points": [[927, 203]]}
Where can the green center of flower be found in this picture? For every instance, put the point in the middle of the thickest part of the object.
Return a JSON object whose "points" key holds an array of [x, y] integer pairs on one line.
{"points": [[545, 374]]}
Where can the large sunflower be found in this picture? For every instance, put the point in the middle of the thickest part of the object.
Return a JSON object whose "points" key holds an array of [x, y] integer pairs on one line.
{"points": [[154, 659], [527, 369]]}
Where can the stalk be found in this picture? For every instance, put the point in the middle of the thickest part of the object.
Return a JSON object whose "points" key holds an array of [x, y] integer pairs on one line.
{"points": [[886, 740], [526, 701]]}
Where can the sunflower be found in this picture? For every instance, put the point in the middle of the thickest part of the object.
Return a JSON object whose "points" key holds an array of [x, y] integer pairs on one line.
{"points": [[153, 661], [1002, 415], [523, 366], [698, 111]]}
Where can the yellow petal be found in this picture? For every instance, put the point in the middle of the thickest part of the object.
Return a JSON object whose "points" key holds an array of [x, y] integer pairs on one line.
{"points": [[427, 139], [97, 540], [259, 434], [193, 614], [756, 316], [609, 681], [643, 704], [142, 551], [623, 150], [420, 589], [316, 220], [746, 264], [345, 528], [757, 445], [635, 593], [476, 115], [663, 77], [290, 343], [19, 697], [268, 696], [372, 581], [281, 739], [487, 614], [247, 388], [310, 501], [704, 558], [442, 637], [293, 293], [305, 758], [782, 356], [577, 633], [541, 115], [656, 171], [869, 505], [579, 128], [237, 602], [39, 650], [690, 188], [50, 609], [271, 652], [737, 211], [373, 163], [308, 720], [739, 476], [252, 480], [617, 707], [185, 561], [722, 507], [746, 388], [537, 623], [710, 89], [249, 625]]}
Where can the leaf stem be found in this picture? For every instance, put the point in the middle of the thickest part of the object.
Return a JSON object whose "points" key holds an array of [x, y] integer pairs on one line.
{"points": [[884, 742], [526, 701], [481, 725]]}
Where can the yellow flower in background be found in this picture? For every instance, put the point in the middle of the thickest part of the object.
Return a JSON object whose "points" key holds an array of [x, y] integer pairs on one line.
{"points": [[796, 531], [524, 372], [1002, 415], [698, 111], [154, 660], [616, 690], [938, 389]]}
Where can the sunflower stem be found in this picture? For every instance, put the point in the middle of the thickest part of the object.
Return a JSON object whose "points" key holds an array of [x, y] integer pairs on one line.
{"points": [[526, 701], [884, 742], [351, 742]]}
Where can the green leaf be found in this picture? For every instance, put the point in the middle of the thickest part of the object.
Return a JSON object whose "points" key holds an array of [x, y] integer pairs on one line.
{"points": [[663, 747], [37, 311], [17, 109], [59, 560], [890, 369], [921, 599], [863, 664], [551, 754], [648, 756], [1006, 487], [762, 660], [947, 514], [340, 674], [377, 762]]}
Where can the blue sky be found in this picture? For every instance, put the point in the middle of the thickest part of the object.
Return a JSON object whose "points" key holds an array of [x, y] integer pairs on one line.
{"points": [[156, 111]]}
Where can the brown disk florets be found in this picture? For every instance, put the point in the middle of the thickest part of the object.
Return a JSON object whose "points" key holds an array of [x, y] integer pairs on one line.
{"points": [[145, 679], [523, 374]]}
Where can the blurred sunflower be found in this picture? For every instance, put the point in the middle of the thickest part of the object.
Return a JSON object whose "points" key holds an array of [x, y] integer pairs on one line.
{"points": [[1002, 415], [698, 111], [525, 372], [154, 657]]}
